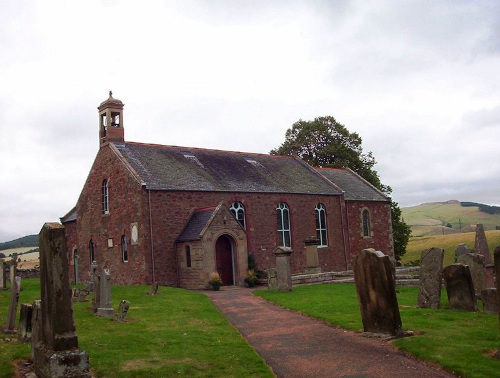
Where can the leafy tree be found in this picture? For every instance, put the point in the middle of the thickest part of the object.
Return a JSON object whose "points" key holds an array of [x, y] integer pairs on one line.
{"points": [[326, 143]]}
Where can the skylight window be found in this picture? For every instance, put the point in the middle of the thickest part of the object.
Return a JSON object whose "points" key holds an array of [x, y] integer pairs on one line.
{"points": [[255, 163], [190, 156]]}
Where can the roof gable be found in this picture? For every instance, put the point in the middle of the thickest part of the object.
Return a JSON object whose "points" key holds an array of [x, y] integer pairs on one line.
{"points": [[182, 168], [354, 186]]}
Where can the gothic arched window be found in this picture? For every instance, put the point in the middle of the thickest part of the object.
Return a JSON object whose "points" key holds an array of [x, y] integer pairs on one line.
{"points": [[283, 224], [238, 211], [321, 234]]}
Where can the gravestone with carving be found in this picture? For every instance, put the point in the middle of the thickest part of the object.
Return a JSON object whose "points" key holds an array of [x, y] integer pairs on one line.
{"points": [[105, 308], [481, 245], [431, 270], [283, 271], [459, 287], [377, 293], [475, 261], [55, 344], [312, 259]]}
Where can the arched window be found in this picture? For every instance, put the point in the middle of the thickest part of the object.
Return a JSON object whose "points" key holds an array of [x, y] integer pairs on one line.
{"points": [[124, 249], [321, 233], [366, 223], [283, 223], [91, 251], [188, 256], [238, 211], [105, 197]]}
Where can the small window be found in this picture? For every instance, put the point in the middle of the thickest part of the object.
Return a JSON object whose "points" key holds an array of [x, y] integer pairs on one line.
{"points": [[188, 256], [190, 156], [91, 251], [238, 211], [124, 249], [283, 224], [321, 233], [105, 197], [366, 223]]}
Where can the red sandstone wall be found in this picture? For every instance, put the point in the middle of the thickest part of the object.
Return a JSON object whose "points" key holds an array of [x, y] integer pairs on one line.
{"points": [[381, 228]]}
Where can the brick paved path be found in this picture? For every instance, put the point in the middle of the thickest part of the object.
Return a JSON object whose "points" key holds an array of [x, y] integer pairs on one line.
{"points": [[295, 345]]}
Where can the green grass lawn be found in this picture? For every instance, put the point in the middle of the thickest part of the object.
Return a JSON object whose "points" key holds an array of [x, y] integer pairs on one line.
{"points": [[457, 340], [177, 333]]}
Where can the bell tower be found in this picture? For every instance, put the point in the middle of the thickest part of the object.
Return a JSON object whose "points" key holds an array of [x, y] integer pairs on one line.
{"points": [[111, 121]]}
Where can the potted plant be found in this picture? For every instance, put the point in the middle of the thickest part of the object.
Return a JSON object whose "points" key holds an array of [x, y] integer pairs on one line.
{"points": [[215, 281], [251, 278]]}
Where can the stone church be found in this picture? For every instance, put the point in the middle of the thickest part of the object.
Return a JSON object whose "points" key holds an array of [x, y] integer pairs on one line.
{"points": [[173, 215]]}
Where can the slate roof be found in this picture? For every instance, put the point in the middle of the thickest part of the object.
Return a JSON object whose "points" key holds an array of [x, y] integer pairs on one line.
{"points": [[198, 221], [355, 187], [195, 169], [69, 217]]}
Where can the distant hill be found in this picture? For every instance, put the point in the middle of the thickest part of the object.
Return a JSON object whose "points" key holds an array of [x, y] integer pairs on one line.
{"points": [[25, 241], [450, 217]]}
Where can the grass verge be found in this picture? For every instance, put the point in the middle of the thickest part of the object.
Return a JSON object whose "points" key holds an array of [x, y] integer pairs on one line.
{"points": [[459, 341], [176, 333]]}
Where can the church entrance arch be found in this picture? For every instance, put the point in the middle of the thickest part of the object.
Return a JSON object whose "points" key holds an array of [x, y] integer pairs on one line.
{"points": [[224, 259]]}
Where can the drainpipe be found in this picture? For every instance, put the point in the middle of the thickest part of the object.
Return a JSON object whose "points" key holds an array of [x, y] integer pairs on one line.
{"points": [[151, 237], [345, 223]]}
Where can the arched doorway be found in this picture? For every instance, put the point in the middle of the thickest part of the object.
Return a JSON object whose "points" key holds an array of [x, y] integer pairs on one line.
{"points": [[224, 259]]}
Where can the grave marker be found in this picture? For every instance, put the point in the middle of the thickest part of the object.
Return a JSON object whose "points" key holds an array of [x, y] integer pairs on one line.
{"points": [[475, 261], [24, 329], [3, 276], [105, 308], [481, 245], [122, 310], [283, 271], [377, 293], [431, 269], [490, 300], [461, 250], [459, 287], [14, 300]]}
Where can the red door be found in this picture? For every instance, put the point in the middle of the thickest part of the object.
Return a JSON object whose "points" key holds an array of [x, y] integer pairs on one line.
{"points": [[224, 260]]}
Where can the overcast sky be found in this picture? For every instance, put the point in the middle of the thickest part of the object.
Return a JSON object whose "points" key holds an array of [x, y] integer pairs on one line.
{"points": [[419, 81]]}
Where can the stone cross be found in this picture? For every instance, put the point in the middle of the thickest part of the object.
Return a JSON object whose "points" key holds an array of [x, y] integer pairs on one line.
{"points": [[122, 310], [459, 287], [377, 293], [431, 270], [55, 345], [312, 259], [24, 329], [283, 271], [475, 261], [3, 276], [105, 308], [14, 300], [481, 245]]}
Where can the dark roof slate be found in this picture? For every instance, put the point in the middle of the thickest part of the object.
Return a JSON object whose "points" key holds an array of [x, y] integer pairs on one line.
{"points": [[354, 186], [195, 169], [70, 216], [198, 221]]}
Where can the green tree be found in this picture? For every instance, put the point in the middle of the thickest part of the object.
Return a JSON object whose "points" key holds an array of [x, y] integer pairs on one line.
{"points": [[326, 143]]}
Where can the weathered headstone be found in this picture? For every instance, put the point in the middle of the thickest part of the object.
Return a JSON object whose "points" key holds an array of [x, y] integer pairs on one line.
{"points": [[312, 259], [122, 310], [3, 276], [431, 269], [475, 261], [272, 281], [377, 293], [497, 275], [154, 289], [481, 245], [462, 249], [283, 271], [105, 308], [14, 300], [459, 287], [490, 300], [12, 270], [24, 329], [36, 326], [55, 349], [79, 295]]}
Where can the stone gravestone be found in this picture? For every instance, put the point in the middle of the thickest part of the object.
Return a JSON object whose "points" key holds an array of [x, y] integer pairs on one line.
{"points": [[497, 275], [55, 344], [95, 279], [481, 245], [490, 301], [312, 259], [3, 276], [12, 270], [105, 308], [461, 250], [475, 261], [122, 310], [283, 271], [459, 287], [431, 270], [79, 295], [14, 300], [377, 293], [36, 326], [24, 329], [272, 281]]}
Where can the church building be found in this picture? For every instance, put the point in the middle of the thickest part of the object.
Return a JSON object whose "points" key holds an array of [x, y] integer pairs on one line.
{"points": [[173, 215]]}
